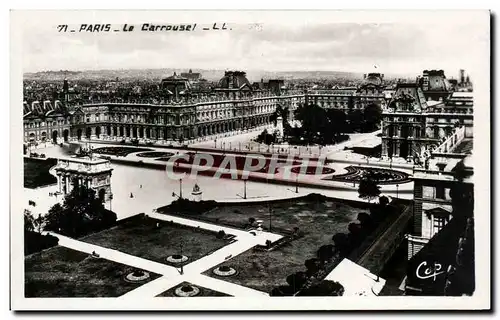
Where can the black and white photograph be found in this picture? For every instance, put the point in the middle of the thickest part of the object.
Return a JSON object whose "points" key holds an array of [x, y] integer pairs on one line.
{"points": [[250, 160]]}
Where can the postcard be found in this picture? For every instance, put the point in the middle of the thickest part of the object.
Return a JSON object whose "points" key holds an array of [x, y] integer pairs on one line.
{"points": [[250, 160]]}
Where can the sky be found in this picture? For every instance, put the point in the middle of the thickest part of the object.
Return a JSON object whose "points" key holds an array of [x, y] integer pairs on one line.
{"points": [[307, 45]]}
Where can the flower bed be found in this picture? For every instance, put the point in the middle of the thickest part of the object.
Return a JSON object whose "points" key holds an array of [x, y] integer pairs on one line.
{"points": [[119, 151], [379, 175], [137, 276], [177, 258], [224, 271], [312, 170], [187, 291], [155, 154]]}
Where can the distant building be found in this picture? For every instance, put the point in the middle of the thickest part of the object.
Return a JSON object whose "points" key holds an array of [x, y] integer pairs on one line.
{"points": [[193, 77]]}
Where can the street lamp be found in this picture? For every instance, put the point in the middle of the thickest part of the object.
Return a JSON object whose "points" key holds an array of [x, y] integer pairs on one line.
{"points": [[397, 191], [244, 189], [180, 188]]}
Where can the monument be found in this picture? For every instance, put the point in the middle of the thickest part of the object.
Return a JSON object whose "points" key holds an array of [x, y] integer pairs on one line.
{"points": [[92, 172]]}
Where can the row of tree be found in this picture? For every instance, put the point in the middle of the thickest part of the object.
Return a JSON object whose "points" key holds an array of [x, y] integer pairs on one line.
{"points": [[267, 138], [326, 126], [342, 247]]}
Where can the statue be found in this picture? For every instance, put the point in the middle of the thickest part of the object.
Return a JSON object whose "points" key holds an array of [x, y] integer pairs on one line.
{"points": [[196, 193]]}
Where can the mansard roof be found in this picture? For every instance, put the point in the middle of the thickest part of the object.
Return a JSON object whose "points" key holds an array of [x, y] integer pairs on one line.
{"points": [[408, 97], [234, 80], [44, 109]]}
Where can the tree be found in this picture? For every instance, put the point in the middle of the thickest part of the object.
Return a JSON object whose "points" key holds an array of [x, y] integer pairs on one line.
{"points": [[372, 116], [81, 213], [315, 124], [28, 221], [356, 120], [34, 241], [338, 121], [368, 189]]}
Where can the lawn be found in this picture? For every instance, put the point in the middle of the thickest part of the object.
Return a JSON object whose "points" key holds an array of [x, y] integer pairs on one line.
{"points": [[36, 172], [318, 220], [144, 239], [63, 272], [119, 151], [204, 292]]}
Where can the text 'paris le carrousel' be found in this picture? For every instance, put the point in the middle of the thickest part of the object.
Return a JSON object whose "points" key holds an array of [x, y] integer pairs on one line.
{"points": [[145, 27]]}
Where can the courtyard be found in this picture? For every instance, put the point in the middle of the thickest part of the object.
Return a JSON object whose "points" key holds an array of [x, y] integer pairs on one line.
{"points": [[60, 272], [158, 241]]}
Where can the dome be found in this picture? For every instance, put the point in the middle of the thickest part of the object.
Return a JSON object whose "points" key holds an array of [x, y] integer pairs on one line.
{"points": [[374, 78], [233, 80]]}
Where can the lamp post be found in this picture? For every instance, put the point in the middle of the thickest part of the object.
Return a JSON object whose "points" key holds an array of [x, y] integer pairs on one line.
{"points": [[180, 188], [244, 189], [397, 191]]}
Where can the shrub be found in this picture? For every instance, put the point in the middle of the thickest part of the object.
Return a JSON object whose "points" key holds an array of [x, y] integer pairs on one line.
{"points": [[341, 241], [383, 201], [251, 221], [325, 252], [312, 266], [365, 220], [282, 291], [221, 234], [297, 280], [324, 288]]}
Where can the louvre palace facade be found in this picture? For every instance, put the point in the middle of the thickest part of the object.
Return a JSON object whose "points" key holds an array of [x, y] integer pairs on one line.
{"points": [[181, 112]]}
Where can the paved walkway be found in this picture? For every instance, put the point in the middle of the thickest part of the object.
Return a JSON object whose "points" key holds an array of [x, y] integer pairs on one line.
{"points": [[261, 237]]}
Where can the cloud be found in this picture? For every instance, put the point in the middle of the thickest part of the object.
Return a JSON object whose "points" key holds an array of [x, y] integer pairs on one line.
{"points": [[300, 46]]}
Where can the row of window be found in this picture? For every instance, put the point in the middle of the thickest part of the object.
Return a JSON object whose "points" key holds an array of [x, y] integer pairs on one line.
{"points": [[38, 124]]}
